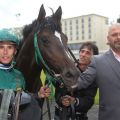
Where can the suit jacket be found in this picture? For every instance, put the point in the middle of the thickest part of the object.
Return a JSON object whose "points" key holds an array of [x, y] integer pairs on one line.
{"points": [[105, 70]]}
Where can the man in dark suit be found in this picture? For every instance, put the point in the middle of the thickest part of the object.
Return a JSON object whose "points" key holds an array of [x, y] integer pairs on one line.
{"points": [[82, 100], [105, 70]]}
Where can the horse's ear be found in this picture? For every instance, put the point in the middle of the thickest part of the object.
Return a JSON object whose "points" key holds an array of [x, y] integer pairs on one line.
{"points": [[57, 15], [42, 13]]}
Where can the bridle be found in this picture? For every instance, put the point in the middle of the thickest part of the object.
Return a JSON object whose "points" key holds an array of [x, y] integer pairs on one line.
{"points": [[39, 59], [50, 74]]}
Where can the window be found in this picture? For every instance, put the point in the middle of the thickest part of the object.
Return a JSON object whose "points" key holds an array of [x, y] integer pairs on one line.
{"points": [[65, 23], [82, 20], [106, 21], [76, 22], [77, 37], [65, 29], [82, 26], [77, 33], [89, 32], [71, 38], [82, 37], [74, 46], [70, 32], [89, 19], [70, 22], [82, 31], [89, 36], [70, 27], [77, 27], [89, 25]]}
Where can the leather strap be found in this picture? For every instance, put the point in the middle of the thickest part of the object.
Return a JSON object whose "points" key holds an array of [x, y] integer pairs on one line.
{"points": [[7, 93]]}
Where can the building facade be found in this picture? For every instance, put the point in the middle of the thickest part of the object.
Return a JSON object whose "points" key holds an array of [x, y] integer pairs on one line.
{"points": [[84, 28]]}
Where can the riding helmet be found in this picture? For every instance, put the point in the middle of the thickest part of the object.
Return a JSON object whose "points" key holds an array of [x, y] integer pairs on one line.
{"points": [[8, 35]]}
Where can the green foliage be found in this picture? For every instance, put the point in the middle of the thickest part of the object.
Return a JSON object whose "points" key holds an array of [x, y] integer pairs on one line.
{"points": [[97, 98]]}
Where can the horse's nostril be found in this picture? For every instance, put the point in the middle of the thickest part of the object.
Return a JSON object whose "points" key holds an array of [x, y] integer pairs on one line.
{"points": [[69, 74]]}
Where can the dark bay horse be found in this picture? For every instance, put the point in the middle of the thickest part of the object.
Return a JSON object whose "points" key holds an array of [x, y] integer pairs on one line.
{"points": [[52, 44], [44, 46]]}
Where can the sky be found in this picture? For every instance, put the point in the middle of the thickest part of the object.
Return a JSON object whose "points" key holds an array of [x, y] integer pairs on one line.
{"points": [[16, 13]]}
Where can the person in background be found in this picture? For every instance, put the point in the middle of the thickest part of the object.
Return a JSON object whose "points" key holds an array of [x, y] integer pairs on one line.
{"points": [[82, 100], [105, 70], [12, 80]]}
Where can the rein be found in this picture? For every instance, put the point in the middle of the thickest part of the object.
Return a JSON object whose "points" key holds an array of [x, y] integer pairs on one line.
{"points": [[74, 58], [50, 76], [49, 73]]}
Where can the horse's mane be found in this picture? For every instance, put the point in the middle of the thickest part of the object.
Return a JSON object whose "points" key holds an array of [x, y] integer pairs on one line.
{"points": [[28, 29], [39, 25]]}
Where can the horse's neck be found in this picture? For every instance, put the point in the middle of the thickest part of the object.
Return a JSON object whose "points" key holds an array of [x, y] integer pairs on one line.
{"points": [[26, 63]]}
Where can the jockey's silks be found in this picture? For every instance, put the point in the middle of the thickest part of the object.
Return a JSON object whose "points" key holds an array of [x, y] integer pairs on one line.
{"points": [[11, 79]]}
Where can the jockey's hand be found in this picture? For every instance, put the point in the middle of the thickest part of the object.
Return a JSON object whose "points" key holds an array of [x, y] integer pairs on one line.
{"points": [[68, 100], [44, 91]]}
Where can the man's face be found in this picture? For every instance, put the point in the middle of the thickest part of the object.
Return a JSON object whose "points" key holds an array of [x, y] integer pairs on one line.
{"points": [[7, 52], [85, 56], [114, 38]]}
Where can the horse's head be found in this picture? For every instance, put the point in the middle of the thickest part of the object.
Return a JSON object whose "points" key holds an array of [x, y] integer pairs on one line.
{"points": [[52, 44]]}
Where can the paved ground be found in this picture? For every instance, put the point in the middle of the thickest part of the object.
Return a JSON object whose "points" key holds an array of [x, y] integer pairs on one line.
{"points": [[92, 114]]}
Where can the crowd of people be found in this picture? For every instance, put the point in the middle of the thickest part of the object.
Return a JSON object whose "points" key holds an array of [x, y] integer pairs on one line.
{"points": [[98, 71]]}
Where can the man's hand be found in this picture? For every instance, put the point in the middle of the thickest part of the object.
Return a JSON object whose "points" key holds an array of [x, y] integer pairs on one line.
{"points": [[68, 100], [44, 91]]}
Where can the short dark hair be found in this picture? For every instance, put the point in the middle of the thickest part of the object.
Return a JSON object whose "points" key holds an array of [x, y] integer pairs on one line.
{"points": [[90, 46]]}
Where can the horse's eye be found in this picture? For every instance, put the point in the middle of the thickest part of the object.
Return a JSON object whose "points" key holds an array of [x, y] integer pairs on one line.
{"points": [[68, 74], [45, 39]]}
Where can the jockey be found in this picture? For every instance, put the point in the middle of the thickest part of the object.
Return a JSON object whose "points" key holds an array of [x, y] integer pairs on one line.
{"points": [[10, 78]]}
